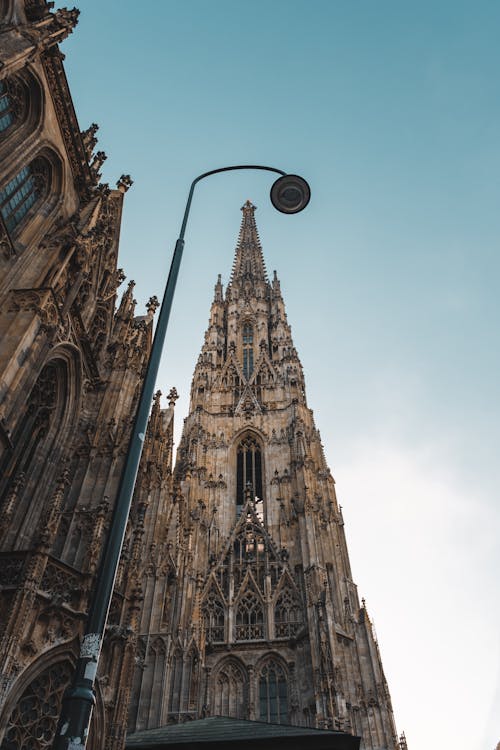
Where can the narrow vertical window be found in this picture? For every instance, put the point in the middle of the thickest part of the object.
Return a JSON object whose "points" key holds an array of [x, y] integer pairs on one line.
{"points": [[213, 618], [22, 192], [273, 694], [249, 470], [230, 697], [247, 350], [6, 110]]}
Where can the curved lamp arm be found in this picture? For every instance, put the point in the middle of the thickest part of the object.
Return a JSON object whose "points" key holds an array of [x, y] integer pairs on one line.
{"points": [[216, 171]]}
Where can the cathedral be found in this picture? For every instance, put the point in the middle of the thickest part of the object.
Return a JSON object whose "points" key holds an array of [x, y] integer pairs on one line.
{"points": [[234, 612]]}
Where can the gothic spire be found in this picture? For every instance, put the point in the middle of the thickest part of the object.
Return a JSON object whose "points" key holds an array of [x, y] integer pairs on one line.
{"points": [[248, 260]]}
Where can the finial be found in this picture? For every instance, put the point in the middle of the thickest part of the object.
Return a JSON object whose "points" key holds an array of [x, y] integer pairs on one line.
{"points": [[91, 131], [98, 160], [248, 206], [156, 399], [172, 396], [152, 305], [124, 183], [89, 139], [67, 19]]}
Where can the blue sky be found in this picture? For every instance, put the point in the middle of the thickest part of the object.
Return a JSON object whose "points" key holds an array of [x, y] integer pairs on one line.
{"points": [[392, 112]]}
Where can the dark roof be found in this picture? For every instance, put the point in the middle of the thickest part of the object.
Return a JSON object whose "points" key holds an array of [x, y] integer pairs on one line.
{"points": [[215, 731]]}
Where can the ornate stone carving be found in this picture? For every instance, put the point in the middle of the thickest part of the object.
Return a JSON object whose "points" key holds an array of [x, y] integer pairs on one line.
{"points": [[11, 568], [124, 183], [41, 301], [61, 584], [66, 116], [6, 246], [33, 721]]}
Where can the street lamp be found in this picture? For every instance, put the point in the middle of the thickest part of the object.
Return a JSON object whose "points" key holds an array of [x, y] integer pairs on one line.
{"points": [[289, 194]]}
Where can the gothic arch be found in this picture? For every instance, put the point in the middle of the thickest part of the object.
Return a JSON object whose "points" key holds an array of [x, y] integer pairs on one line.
{"points": [[100, 327], [24, 107], [30, 194], [248, 457], [213, 610], [249, 613], [192, 677], [32, 708], [230, 689], [288, 608], [273, 690], [42, 435], [175, 668]]}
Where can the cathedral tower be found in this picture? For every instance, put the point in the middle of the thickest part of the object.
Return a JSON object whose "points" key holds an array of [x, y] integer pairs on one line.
{"points": [[253, 613]]}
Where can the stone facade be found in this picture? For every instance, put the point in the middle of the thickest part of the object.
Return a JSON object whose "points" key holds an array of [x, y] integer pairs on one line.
{"points": [[71, 363], [234, 594], [254, 613]]}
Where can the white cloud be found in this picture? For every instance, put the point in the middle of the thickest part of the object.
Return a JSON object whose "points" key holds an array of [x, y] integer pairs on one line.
{"points": [[423, 553]]}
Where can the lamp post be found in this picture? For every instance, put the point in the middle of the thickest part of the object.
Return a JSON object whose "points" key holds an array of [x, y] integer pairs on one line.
{"points": [[289, 194]]}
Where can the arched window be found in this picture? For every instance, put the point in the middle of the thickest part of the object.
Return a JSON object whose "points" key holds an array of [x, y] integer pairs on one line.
{"points": [[247, 350], [213, 618], [33, 721], [273, 694], [287, 614], [248, 469], [6, 109], [44, 425], [23, 191], [174, 702], [13, 102], [249, 618], [230, 692], [39, 411], [21, 105]]}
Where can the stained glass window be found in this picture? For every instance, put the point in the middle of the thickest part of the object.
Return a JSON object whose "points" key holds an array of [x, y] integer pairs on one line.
{"points": [[17, 197], [6, 113]]}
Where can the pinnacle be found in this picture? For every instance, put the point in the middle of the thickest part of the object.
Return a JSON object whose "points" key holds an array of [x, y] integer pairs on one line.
{"points": [[248, 206], [248, 260]]}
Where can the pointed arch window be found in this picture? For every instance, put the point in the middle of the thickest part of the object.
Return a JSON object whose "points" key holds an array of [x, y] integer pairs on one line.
{"points": [[6, 108], [273, 694], [213, 618], [248, 469], [249, 618], [174, 702], [287, 614], [23, 191], [247, 350], [231, 692], [33, 721]]}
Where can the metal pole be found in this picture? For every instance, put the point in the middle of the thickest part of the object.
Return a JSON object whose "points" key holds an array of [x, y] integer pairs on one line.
{"points": [[79, 699]]}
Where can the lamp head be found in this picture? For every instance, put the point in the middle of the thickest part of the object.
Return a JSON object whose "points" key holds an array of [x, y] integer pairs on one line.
{"points": [[290, 194]]}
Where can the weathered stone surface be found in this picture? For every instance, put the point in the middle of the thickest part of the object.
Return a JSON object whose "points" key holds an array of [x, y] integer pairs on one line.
{"points": [[250, 610]]}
